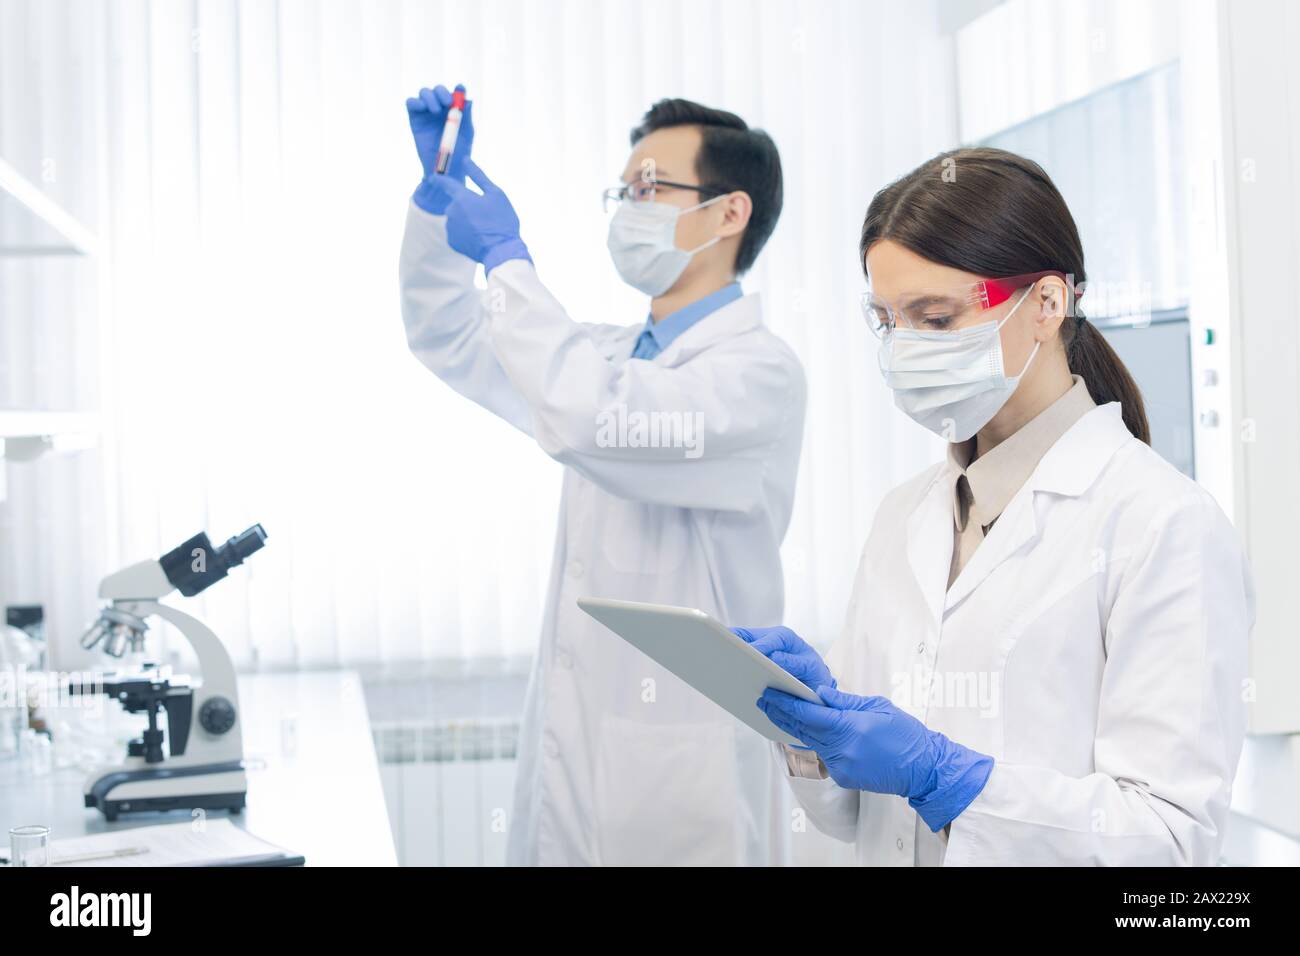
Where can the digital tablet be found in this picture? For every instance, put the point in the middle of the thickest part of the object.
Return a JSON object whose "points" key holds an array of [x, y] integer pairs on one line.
{"points": [[705, 655]]}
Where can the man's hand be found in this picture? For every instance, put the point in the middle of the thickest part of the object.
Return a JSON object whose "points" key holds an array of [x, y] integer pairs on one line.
{"points": [[428, 114], [483, 227]]}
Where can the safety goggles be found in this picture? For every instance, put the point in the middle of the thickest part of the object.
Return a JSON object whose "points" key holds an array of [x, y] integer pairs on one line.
{"points": [[947, 310]]}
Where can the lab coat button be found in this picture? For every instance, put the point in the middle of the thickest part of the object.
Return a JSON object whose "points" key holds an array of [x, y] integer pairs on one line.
{"points": [[552, 747], [563, 657], [920, 648], [899, 843], [575, 568]]}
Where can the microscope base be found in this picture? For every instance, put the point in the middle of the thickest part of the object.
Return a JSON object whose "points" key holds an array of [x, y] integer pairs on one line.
{"points": [[209, 786], [112, 809]]}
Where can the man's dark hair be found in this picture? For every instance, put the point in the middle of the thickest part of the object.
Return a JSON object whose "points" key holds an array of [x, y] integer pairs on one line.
{"points": [[733, 158]]}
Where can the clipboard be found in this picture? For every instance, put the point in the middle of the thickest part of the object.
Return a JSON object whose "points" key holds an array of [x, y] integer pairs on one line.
{"points": [[217, 843], [705, 654]]}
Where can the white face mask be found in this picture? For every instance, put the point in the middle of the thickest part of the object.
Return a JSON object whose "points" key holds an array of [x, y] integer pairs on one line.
{"points": [[642, 241], [953, 383]]}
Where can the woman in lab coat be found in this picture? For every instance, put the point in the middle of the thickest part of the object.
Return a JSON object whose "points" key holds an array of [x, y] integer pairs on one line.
{"points": [[1044, 660]]}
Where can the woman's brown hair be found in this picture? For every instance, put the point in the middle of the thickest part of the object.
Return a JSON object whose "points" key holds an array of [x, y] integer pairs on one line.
{"points": [[995, 214]]}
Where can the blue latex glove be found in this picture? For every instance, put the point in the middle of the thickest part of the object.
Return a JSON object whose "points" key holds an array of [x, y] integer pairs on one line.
{"points": [[428, 113], [483, 227], [790, 652], [869, 744]]}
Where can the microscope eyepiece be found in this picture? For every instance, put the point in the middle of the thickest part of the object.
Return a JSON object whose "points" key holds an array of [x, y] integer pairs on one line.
{"points": [[238, 548], [197, 564]]}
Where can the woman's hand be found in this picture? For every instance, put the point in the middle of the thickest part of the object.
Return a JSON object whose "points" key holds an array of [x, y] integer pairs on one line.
{"points": [[869, 744], [788, 651]]}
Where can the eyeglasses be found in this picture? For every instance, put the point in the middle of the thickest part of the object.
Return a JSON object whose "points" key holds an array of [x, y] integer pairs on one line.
{"points": [[948, 310], [643, 190]]}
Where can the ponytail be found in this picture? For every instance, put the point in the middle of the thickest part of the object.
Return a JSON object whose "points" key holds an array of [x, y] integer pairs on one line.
{"points": [[1091, 358]]}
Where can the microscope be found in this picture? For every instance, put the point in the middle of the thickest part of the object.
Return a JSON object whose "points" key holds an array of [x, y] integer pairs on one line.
{"points": [[202, 766]]}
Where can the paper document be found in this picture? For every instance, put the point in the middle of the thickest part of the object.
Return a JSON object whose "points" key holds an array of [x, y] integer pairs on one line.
{"points": [[191, 843]]}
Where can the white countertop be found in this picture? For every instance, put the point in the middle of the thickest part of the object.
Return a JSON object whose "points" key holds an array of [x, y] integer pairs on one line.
{"points": [[321, 798]]}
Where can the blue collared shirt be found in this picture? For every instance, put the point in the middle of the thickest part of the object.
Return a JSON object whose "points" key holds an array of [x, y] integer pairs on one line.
{"points": [[658, 335]]}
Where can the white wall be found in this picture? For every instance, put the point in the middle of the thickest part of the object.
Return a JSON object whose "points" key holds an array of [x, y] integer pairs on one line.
{"points": [[1261, 180], [1026, 57], [1260, 183]]}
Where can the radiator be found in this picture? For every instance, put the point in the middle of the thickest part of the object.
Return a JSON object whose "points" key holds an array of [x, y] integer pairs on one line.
{"points": [[449, 786]]}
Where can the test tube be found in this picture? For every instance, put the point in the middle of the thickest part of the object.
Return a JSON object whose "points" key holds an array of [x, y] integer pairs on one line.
{"points": [[450, 132]]}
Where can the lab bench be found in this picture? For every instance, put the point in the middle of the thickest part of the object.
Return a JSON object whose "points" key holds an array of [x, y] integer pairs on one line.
{"points": [[313, 778]]}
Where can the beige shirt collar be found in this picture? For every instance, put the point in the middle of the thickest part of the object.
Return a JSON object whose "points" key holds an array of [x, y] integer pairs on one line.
{"points": [[993, 479]]}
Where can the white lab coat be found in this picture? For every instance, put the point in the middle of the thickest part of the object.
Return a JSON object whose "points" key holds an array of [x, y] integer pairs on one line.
{"points": [[1107, 616], [620, 762]]}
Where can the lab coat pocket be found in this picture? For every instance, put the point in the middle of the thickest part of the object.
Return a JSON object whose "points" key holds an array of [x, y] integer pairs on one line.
{"points": [[666, 794], [641, 538]]}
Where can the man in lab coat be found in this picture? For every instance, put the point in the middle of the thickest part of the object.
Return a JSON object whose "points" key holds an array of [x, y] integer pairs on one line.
{"points": [[681, 437]]}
